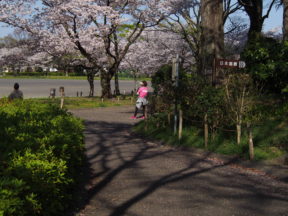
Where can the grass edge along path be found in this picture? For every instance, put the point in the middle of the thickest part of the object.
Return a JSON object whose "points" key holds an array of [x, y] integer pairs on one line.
{"points": [[87, 102], [193, 138]]}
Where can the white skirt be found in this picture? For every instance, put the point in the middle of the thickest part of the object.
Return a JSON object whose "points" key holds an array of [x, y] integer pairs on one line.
{"points": [[141, 102]]}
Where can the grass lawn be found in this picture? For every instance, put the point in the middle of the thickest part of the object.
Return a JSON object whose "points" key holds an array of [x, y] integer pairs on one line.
{"points": [[270, 139], [87, 102]]}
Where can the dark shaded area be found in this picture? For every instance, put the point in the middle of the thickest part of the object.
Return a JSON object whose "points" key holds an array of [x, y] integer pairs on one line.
{"points": [[129, 175]]}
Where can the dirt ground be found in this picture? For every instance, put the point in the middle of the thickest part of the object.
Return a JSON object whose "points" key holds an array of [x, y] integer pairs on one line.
{"points": [[133, 176]]}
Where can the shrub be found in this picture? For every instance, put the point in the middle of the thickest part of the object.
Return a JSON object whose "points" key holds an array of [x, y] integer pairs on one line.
{"points": [[41, 153], [266, 61]]}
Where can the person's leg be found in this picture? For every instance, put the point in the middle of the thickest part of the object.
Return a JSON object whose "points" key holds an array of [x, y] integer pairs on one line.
{"points": [[144, 110], [136, 111]]}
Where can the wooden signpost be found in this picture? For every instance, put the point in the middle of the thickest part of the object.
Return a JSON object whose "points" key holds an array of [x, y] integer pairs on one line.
{"points": [[225, 63]]}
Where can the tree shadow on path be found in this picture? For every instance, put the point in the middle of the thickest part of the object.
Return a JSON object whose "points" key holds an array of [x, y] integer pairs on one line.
{"points": [[112, 151]]}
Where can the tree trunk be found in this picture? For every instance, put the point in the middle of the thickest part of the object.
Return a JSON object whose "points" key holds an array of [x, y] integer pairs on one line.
{"points": [[254, 9], [212, 37], [90, 78], [285, 20], [238, 129], [117, 89], [255, 14], [250, 140], [206, 131], [105, 84]]}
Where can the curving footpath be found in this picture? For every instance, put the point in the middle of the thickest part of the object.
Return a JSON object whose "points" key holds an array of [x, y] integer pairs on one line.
{"points": [[133, 176]]}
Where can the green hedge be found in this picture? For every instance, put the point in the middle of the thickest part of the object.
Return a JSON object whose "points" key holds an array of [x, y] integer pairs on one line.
{"points": [[41, 151]]}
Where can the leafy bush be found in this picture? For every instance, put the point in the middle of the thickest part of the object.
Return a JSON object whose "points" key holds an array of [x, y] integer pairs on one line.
{"points": [[41, 152], [228, 111], [266, 61]]}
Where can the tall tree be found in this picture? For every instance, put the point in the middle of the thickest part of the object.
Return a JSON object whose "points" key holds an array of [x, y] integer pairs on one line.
{"points": [[101, 31], [284, 4], [186, 21], [254, 9], [212, 37]]}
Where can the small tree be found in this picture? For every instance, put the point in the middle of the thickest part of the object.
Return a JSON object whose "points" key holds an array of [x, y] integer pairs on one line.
{"points": [[238, 89], [208, 106]]}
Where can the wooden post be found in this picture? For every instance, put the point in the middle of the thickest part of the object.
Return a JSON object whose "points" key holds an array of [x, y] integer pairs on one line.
{"points": [[214, 72], [250, 140], [62, 93], [146, 112], [175, 78], [206, 131], [180, 124]]}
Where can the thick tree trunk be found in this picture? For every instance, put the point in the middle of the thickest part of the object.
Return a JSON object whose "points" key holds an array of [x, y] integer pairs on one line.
{"points": [[256, 20], [285, 20], [212, 37], [117, 89], [90, 78], [254, 9], [105, 84]]}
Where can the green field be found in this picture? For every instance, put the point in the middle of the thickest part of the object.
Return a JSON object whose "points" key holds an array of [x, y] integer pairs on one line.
{"points": [[87, 102]]}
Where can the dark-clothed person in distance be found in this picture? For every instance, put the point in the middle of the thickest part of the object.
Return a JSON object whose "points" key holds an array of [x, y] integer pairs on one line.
{"points": [[16, 94]]}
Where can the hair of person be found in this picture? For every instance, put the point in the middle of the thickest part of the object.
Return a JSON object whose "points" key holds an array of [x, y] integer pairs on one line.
{"points": [[144, 83], [16, 86]]}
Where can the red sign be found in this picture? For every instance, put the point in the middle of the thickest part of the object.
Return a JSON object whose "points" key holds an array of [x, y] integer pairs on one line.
{"points": [[225, 63]]}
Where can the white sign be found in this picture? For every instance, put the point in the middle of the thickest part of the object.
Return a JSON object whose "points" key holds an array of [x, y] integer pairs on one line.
{"points": [[242, 64]]}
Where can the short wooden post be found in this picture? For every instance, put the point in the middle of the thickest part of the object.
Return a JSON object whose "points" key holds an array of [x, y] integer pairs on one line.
{"points": [[206, 131], [250, 140], [62, 93], [180, 124]]}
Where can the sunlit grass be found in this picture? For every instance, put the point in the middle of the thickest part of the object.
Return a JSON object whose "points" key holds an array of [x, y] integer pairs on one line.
{"points": [[87, 102], [270, 139]]}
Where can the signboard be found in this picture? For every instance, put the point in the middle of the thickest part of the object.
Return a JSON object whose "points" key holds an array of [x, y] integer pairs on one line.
{"points": [[226, 63]]}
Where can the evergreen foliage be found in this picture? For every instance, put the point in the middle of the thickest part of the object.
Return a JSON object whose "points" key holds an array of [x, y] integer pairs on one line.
{"points": [[41, 152]]}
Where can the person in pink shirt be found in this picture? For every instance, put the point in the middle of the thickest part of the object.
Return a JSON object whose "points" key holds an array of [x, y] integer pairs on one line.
{"points": [[142, 99]]}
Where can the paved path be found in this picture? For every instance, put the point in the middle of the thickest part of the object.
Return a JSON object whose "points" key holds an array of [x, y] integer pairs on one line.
{"points": [[136, 177]]}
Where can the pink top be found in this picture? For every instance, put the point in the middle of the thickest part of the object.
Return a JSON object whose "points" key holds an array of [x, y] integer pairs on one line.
{"points": [[142, 92]]}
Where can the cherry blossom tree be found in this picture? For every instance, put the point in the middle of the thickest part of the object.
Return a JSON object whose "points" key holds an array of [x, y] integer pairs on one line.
{"points": [[156, 48], [101, 31], [188, 20]]}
